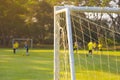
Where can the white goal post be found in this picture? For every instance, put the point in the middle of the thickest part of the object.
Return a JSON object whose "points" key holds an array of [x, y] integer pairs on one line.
{"points": [[23, 39], [57, 30]]}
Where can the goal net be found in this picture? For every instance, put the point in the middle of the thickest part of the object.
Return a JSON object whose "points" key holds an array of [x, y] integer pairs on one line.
{"points": [[21, 42], [86, 43]]}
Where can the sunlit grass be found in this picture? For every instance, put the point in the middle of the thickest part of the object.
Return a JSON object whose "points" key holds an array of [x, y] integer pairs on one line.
{"points": [[102, 65], [37, 66]]}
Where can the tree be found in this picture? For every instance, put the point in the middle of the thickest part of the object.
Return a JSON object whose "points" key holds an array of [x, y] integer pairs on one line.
{"points": [[45, 22], [10, 20]]}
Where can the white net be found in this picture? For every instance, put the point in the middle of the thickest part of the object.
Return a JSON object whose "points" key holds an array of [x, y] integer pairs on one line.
{"points": [[21, 42], [96, 45]]}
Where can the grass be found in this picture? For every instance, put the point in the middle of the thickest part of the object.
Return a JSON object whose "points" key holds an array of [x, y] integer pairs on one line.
{"points": [[100, 66], [39, 65]]}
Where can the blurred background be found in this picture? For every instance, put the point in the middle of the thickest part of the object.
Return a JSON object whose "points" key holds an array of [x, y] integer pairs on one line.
{"points": [[34, 19]]}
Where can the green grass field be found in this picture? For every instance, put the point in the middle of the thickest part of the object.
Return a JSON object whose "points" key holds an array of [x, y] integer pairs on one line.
{"points": [[39, 65], [103, 65]]}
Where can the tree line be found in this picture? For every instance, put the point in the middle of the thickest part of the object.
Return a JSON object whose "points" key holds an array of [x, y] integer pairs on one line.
{"points": [[33, 19], [26, 19]]}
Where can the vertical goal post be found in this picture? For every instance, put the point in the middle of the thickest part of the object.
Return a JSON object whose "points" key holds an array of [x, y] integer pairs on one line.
{"points": [[67, 10], [56, 48], [23, 39]]}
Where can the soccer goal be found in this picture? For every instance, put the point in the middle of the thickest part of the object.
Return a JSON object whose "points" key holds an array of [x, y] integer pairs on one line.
{"points": [[21, 42], [76, 27]]}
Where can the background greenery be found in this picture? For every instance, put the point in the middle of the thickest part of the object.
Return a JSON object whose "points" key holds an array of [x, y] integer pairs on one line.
{"points": [[34, 19]]}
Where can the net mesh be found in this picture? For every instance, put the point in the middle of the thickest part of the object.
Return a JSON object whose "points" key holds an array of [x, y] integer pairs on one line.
{"points": [[22, 41], [102, 32]]}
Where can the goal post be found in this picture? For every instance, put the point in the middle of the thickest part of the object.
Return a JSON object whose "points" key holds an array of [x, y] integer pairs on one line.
{"points": [[56, 47], [23, 40], [80, 24]]}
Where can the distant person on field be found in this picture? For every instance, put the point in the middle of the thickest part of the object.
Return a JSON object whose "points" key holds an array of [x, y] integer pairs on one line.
{"points": [[90, 48], [75, 46], [94, 45], [15, 46], [27, 48], [99, 46]]}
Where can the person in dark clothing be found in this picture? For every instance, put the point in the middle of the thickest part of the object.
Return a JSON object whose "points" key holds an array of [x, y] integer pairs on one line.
{"points": [[27, 48]]}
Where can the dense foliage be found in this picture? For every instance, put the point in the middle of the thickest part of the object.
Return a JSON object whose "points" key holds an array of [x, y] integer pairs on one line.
{"points": [[34, 18], [26, 19]]}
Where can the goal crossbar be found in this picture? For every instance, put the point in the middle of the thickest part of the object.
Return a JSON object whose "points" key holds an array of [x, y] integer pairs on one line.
{"points": [[23, 39], [60, 9]]}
